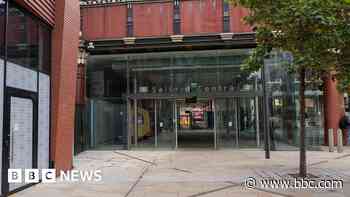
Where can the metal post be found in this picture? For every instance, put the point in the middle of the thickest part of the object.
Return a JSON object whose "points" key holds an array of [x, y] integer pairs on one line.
{"points": [[135, 123], [236, 124], [175, 122], [257, 118], [129, 123], [330, 140], [135, 113], [92, 112], [266, 114], [215, 130], [340, 141], [155, 124]]}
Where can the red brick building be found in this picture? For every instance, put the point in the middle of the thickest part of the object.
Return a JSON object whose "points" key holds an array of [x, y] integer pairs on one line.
{"points": [[38, 57], [185, 55]]}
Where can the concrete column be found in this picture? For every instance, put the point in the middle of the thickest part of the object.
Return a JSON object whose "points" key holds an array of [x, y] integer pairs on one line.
{"points": [[333, 108]]}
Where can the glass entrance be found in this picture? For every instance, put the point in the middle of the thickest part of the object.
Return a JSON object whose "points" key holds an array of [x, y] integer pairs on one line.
{"points": [[153, 123], [238, 122], [195, 124]]}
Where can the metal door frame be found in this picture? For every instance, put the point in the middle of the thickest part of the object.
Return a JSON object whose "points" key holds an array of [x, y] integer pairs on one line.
{"points": [[33, 96]]}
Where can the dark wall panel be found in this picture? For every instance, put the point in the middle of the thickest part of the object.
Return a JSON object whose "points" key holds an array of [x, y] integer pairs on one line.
{"points": [[201, 16], [154, 19]]}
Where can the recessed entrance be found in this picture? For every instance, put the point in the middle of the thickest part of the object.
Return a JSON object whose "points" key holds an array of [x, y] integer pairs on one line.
{"points": [[195, 124], [200, 123]]}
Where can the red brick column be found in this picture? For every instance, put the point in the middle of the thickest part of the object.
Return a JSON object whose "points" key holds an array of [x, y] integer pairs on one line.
{"points": [[65, 39], [334, 108]]}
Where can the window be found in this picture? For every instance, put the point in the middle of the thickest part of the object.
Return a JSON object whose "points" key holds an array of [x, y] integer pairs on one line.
{"points": [[29, 40], [22, 38], [2, 28], [44, 49]]}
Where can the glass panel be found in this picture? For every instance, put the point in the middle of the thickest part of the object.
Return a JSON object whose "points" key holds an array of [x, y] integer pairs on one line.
{"points": [[195, 124], [106, 78], [227, 128], [195, 73], [145, 124], [22, 38], [2, 28], [166, 127], [2, 69], [247, 123], [284, 106], [44, 49], [153, 81], [108, 120]]}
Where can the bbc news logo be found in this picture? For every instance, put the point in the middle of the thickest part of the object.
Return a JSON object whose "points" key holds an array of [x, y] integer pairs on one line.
{"points": [[49, 176]]}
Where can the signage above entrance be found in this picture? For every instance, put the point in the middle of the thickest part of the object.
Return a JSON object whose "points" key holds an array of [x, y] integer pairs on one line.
{"points": [[191, 100]]}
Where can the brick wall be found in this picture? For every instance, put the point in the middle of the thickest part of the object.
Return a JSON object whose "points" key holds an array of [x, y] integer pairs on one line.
{"points": [[201, 16], [104, 22], [65, 37], [155, 19]]}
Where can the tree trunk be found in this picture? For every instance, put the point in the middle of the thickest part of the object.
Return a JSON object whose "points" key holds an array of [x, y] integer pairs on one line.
{"points": [[302, 169]]}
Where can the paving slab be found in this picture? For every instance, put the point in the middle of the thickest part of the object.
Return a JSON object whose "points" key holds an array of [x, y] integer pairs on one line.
{"points": [[195, 173]]}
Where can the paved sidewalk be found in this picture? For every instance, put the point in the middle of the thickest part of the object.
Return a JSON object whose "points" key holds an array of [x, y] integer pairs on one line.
{"points": [[195, 173]]}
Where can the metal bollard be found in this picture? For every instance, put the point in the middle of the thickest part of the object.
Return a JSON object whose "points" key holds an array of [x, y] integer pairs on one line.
{"points": [[340, 141], [330, 140]]}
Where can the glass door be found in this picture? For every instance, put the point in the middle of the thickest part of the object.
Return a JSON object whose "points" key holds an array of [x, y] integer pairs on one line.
{"points": [[226, 120], [248, 122], [166, 122], [195, 123], [238, 122]]}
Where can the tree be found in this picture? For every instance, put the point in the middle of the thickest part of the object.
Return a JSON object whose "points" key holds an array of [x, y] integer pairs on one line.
{"points": [[315, 32]]}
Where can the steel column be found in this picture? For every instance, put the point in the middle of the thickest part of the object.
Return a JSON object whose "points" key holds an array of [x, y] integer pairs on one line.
{"points": [[215, 130], [175, 122], [155, 124]]}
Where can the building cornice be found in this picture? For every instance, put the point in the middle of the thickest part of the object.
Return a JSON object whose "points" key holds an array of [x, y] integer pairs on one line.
{"points": [[188, 42]]}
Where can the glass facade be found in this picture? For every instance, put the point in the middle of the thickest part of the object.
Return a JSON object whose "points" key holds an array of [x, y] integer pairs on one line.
{"points": [[2, 28], [283, 96], [28, 40], [25, 61], [199, 99]]}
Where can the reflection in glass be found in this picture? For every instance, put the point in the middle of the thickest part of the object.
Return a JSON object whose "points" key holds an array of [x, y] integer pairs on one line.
{"points": [[284, 106], [227, 123], [166, 127], [22, 38], [108, 123], [44, 49], [2, 28], [247, 122], [145, 121], [195, 122]]}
